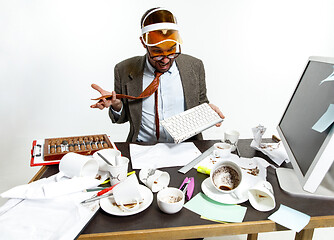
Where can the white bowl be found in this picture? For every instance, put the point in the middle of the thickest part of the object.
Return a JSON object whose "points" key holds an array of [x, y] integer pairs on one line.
{"points": [[170, 200]]}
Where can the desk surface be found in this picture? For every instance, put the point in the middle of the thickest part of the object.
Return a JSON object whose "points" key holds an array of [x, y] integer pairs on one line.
{"points": [[153, 223]]}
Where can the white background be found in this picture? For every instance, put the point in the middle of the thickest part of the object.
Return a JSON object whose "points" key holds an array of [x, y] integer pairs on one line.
{"points": [[51, 52]]}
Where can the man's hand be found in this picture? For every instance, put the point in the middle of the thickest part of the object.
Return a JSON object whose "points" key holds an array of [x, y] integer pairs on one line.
{"points": [[216, 109], [115, 103]]}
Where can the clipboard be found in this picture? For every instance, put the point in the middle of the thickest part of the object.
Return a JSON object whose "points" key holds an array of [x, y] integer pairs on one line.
{"points": [[37, 154]]}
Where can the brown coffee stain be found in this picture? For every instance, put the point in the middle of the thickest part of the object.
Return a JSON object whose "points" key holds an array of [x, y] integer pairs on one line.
{"points": [[252, 171]]}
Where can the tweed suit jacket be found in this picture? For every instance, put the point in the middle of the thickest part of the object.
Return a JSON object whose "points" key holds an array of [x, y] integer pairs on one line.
{"points": [[129, 80]]}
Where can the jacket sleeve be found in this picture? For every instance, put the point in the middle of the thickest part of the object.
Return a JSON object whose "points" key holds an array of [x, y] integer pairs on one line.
{"points": [[118, 89], [202, 84]]}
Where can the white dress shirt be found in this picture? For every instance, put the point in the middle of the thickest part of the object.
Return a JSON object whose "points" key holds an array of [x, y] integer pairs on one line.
{"points": [[170, 102]]}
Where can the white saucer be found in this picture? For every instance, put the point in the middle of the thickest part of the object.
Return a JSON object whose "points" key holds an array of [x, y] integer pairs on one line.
{"points": [[210, 191], [108, 206]]}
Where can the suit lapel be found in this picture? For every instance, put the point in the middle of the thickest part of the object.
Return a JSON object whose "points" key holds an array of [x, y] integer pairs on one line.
{"points": [[135, 85], [187, 78], [134, 88]]}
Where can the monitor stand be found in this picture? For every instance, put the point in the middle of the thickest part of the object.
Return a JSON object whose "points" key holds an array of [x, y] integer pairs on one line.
{"points": [[289, 182]]}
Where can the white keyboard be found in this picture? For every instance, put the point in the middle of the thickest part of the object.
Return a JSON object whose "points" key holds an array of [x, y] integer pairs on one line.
{"points": [[191, 122]]}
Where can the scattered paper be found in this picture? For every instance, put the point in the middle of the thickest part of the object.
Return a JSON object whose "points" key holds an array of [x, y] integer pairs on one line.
{"points": [[210, 209], [162, 155], [329, 78], [275, 151], [45, 208], [46, 219], [290, 218], [47, 188], [325, 120]]}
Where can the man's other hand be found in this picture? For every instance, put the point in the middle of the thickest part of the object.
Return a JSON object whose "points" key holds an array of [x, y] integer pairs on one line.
{"points": [[216, 109], [112, 101]]}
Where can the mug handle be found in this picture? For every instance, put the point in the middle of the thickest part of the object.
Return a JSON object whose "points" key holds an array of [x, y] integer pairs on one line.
{"points": [[130, 209]]}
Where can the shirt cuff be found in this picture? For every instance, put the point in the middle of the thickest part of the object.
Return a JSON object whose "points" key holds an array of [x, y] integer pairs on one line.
{"points": [[116, 114]]}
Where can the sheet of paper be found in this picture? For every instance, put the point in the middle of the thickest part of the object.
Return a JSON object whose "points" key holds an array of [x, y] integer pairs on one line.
{"points": [[47, 188], [325, 121], [329, 78], [162, 155], [211, 209], [290, 218], [47, 219]]}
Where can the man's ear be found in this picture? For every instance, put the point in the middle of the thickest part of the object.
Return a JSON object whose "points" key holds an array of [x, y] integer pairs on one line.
{"points": [[142, 42]]}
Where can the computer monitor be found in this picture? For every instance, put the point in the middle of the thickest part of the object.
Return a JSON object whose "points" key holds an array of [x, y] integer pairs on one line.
{"points": [[311, 151]]}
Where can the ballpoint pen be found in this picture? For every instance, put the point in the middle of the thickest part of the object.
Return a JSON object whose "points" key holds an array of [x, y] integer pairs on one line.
{"points": [[104, 159], [97, 198], [95, 189], [110, 188], [103, 191], [99, 194]]}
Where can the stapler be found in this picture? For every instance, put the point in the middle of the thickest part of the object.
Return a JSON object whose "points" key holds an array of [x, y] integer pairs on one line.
{"points": [[188, 187]]}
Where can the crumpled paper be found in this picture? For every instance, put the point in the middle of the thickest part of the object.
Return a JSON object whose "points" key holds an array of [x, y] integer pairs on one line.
{"points": [[275, 151]]}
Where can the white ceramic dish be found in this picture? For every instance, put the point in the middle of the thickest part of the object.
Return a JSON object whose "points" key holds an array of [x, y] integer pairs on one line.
{"points": [[170, 200], [107, 204], [227, 198]]}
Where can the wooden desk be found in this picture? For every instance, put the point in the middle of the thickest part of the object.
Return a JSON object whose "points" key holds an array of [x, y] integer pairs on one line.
{"points": [[154, 224]]}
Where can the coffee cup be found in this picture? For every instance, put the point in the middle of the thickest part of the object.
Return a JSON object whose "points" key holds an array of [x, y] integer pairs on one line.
{"points": [[118, 172], [222, 150], [154, 179], [261, 196], [226, 176], [77, 165], [232, 137], [127, 195], [110, 154], [170, 200]]}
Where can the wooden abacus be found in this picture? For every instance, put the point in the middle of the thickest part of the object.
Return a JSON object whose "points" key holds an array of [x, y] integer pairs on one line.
{"points": [[56, 148]]}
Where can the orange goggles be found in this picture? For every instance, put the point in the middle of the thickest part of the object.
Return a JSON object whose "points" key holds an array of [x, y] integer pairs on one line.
{"points": [[155, 37]]}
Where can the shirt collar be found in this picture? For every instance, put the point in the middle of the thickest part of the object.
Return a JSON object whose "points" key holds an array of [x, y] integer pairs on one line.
{"points": [[149, 69]]}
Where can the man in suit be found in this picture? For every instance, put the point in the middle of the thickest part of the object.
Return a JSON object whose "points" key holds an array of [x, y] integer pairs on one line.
{"points": [[181, 85]]}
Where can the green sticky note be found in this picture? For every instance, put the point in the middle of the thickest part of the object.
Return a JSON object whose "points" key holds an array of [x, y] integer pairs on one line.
{"points": [[208, 208]]}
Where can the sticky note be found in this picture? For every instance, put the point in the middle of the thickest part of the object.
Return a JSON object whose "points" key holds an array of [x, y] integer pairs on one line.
{"points": [[329, 78], [210, 209], [290, 218], [325, 120]]}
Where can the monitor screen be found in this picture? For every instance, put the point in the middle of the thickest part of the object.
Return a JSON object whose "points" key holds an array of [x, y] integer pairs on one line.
{"points": [[309, 102]]}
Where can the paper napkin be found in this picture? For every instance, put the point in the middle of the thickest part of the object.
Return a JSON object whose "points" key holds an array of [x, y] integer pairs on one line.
{"points": [[275, 151]]}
